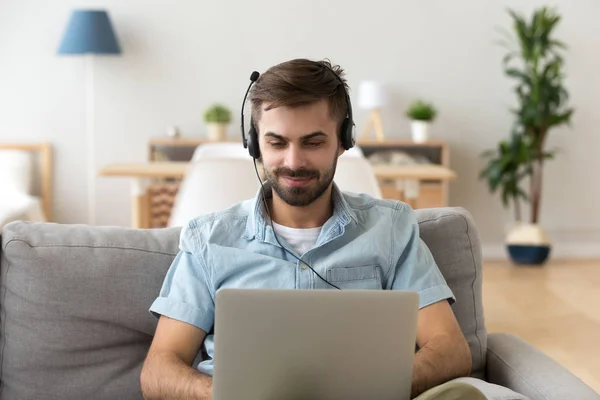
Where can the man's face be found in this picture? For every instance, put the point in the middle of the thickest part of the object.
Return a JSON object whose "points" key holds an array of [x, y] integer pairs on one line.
{"points": [[299, 148]]}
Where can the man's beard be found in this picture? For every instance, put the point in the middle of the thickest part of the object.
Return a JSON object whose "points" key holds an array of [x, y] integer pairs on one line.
{"points": [[301, 196]]}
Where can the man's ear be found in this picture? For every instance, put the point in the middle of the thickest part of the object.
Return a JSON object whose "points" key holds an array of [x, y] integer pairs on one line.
{"points": [[341, 149]]}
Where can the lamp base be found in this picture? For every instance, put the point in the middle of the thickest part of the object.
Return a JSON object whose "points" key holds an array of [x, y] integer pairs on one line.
{"points": [[374, 123]]}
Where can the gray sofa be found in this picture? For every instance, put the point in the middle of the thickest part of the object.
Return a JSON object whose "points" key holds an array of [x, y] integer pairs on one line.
{"points": [[74, 320]]}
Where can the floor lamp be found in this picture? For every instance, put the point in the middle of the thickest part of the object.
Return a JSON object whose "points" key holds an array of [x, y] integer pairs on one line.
{"points": [[89, 32]]}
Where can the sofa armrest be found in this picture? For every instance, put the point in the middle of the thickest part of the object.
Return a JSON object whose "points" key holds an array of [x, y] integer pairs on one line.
{"points": [[515, 364]]}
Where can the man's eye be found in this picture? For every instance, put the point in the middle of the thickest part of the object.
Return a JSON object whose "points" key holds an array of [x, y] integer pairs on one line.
{"points": [[276, 144], [314, 144]]}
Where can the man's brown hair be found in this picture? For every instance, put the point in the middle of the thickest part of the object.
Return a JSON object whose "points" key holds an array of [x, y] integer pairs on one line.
{"points": [[300, 82]]}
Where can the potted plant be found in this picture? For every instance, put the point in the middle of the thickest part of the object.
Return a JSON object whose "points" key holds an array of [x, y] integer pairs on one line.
{"points": [[541, 106], [217, 118], [422, 115]]}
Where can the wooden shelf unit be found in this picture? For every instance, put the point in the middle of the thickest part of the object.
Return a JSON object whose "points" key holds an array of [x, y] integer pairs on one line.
{"points": [[181, 147], [432, 193]]}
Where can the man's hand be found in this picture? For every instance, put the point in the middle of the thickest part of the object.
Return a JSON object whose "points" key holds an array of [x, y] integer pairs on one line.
{"points": [[167, 371], [444, 353]]}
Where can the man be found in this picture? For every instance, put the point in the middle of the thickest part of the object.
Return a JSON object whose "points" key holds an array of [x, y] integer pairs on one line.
{"points": [[298, 109]]}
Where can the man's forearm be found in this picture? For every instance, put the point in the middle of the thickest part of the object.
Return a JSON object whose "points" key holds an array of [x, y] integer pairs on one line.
{"points": [[439, 361], [165, 376]]}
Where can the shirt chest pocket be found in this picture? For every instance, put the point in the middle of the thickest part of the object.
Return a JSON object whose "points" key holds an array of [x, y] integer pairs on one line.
{"points": [[362, 277]]}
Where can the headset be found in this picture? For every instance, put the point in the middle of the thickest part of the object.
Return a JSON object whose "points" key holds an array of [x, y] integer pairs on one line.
{"points": [[347, 134], [348, 140]]}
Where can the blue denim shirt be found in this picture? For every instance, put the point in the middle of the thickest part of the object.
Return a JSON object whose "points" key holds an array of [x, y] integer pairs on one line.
{"points": [[366, 244]]}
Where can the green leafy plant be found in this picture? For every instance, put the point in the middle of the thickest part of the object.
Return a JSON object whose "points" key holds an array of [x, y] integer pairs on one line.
{"points": [[507, 166], [421, 111], [218, 114], [535, 63]]}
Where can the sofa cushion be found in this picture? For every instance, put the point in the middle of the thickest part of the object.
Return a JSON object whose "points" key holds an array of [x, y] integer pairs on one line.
{"points": [[74, 308], [74, 300], [452, 237]]}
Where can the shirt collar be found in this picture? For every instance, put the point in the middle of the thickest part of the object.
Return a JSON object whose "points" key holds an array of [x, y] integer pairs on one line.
{"points": [[258, 217]]}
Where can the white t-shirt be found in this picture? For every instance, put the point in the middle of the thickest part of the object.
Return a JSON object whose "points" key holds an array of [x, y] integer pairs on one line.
{"points": [[301, 240]]}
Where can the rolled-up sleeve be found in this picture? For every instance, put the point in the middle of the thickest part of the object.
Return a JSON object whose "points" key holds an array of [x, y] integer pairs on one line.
{"points": [[186, 293], [416, 269]]}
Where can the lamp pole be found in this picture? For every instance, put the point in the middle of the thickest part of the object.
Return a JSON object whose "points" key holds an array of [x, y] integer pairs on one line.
{"points": [[91, 136]]}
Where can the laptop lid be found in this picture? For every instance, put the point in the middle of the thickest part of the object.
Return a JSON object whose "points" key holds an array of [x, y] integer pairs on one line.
{"points": [[273, 344]]}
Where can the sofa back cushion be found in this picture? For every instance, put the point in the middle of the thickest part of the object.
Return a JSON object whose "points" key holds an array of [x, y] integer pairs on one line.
{"points": [[451, 235], [74, 300], [74, 309]]}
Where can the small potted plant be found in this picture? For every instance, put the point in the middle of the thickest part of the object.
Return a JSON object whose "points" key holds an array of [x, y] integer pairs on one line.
{"points": [[217, 117], [422, 115]]}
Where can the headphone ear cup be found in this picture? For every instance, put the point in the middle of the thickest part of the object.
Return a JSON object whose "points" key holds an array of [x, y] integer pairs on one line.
{"points": [[253, 147], [346, 134]]}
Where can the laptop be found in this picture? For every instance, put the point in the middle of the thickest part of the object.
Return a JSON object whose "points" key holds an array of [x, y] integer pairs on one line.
{"points": [[275, 344]]}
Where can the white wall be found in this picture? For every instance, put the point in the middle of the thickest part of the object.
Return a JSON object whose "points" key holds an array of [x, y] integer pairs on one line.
{"points": [[181, 56]]}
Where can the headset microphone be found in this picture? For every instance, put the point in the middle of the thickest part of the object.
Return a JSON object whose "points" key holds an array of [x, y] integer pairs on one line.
{"points": [[253, 78]]}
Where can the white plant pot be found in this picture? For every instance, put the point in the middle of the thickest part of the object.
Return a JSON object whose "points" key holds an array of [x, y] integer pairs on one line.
{"points": [[217, 132], [527, 234], [173, 132], [420, 131]]}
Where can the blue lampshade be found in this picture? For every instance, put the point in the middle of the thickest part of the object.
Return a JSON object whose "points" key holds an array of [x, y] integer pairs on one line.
{"points": [[89, 31]]}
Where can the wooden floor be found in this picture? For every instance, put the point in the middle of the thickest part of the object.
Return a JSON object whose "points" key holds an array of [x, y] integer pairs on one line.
{"points": [[556, 308]]}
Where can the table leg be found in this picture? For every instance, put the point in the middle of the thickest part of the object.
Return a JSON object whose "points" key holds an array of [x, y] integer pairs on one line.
{"points": [[411, 192], [140, 206]]}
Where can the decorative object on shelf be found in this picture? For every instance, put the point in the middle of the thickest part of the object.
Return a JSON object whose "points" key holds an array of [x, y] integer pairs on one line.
{"points": [[217, 117], [373, 96], [541, 106], [422, 115], [90, 32], [173, 132]]}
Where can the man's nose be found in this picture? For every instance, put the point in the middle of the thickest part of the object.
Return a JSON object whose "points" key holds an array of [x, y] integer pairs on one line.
{"points": [[294, 158]]}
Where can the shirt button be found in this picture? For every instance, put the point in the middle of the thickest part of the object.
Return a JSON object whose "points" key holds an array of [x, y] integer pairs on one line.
{"points": [[304, 266]]}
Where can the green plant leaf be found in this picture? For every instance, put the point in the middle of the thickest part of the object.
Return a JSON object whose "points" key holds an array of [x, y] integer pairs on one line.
{"points": [[515, 73], [504, 32], [421, 111], [558, 43], [509, 57], [217, 113], [488, 153], [559, 119], [520, 193], [503, 43]]}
